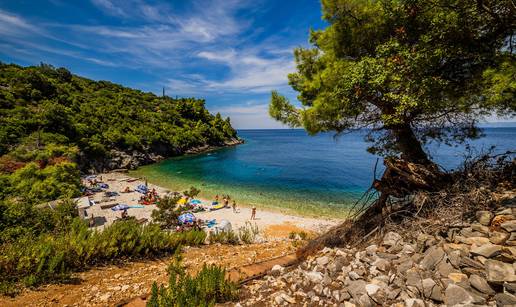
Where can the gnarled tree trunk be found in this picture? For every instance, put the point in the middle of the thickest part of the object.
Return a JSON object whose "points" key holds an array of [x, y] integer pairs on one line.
{"points": [[408, 145]]}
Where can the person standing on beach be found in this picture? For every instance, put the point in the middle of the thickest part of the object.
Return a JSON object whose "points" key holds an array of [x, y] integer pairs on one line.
{"points": [[253, 213], [234, 206]]}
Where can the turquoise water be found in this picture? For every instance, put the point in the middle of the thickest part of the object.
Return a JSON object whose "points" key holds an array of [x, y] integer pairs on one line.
{"points": [[291, 171]]}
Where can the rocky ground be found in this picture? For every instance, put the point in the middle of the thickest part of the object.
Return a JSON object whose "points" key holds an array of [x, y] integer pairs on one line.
{"points": [[471, 264], [112, 284]]}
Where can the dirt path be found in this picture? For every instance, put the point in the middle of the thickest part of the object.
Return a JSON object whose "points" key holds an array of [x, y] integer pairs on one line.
{"points": [[109, 285]]}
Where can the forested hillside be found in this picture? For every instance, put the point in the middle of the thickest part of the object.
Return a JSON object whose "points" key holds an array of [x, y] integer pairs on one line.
{"points": [[51, 121], [43, 107]]}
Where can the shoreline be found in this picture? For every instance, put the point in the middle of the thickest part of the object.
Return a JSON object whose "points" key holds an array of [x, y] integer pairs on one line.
{"points": [[271, 222]]}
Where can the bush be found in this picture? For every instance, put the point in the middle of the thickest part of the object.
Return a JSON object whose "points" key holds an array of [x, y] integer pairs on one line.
{"points": [[248, 233], [50, 257], [209, 287]]}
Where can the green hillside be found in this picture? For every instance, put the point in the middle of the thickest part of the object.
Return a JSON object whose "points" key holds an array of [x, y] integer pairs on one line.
{"points": [[52, 121]]}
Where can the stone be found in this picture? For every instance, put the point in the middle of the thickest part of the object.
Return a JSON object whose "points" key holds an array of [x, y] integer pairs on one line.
{"points": [[444, 268], [391, 238], [428, 286], [474, 240], [510, 287], [459, 278], [480, 228], [371, 289], [323, 260], [277, 270], [125, 287], [486, 250], [484, 217], [432, 257], [365, 301], [505, 299], [105, 297], [511, 240], [414, 302], [371, 249], [356, 288], [480, 284], [348, 304], [455, 295], [382, 264], [353, 275], [314, 277], [468, 262], [413, 278], [498, 271], [509, 226], [408, 249], [498, 237]]}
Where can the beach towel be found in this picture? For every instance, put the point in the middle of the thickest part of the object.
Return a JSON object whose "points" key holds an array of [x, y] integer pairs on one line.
{"points": [[136, 206], [195, 202]]}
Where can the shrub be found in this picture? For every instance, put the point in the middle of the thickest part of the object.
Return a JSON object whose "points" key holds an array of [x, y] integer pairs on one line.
{"points": [[248, 233], [52, 257], [224, 237], [209, 287]]}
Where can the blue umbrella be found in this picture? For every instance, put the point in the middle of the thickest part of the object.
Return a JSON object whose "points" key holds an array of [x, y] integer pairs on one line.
{"points": [[186, 218]]}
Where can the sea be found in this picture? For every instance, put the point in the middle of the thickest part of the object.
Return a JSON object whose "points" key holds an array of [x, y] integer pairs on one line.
{"points": [[291, 171]]}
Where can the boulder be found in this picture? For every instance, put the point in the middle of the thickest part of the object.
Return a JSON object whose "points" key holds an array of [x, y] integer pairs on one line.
{"points": [[277, 270], [480, 284], [484, 217], [505, 299], [509, 226], [486, 250], [432, 257], [391, 238], [414, 302], [323, 260], [314, 277], [499, 272], [455, 295], [498, 237]]}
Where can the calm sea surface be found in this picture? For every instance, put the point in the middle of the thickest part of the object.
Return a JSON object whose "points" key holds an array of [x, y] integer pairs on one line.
{"points": [[289, 170]]}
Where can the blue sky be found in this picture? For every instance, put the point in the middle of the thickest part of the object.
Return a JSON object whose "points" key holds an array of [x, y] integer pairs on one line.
{"points": [[230, 52]]}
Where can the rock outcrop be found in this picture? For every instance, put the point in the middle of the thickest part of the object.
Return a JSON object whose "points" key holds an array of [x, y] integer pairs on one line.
{"points": [[471, 264]]}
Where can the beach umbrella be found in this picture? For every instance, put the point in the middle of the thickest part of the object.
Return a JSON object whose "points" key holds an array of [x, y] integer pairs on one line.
{"points": [[195, 202], [120, 207], [186, 218]]}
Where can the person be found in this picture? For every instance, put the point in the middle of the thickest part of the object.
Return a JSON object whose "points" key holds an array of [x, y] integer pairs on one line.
{"points": [[253, 213], [124, 214], [217, 198], [234, 206], [226, 201]]}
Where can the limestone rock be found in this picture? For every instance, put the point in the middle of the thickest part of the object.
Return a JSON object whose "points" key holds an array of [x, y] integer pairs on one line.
{"points": [[484, 217], [505, 299], [487, 250], [314, 277], [432, 257], [414, 302], [480, 284], [455, 295], [499, 272], [497, 237], [509, 226], [391, 239]]}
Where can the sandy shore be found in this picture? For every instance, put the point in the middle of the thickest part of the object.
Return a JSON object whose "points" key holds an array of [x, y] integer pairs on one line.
{"points": [[266, 220]]}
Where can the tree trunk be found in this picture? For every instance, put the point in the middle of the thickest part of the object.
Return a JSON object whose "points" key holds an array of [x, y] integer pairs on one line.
{"points": [[409, 146]]}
